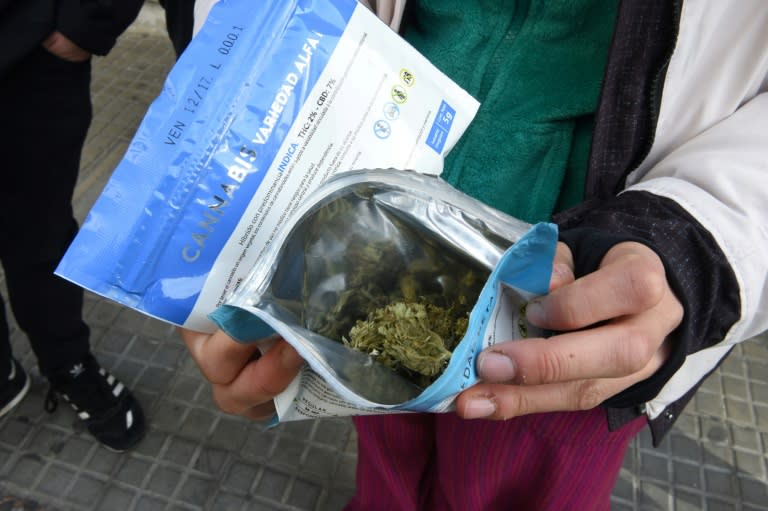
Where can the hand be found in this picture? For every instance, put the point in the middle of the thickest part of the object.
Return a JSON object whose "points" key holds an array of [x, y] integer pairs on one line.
{"points": [[616, 320], [61, 46], [243, 381]]}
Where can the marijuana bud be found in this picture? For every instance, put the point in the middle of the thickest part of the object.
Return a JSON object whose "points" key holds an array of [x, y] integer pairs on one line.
{"points": [[403, 336], [404, 300]]}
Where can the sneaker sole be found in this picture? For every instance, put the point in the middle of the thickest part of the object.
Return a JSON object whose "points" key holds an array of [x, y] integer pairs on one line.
{"points": [[16, 400]]}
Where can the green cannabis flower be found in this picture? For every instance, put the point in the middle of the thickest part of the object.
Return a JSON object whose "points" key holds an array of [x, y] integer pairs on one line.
{"points": [[405, 300], [412, 336]]}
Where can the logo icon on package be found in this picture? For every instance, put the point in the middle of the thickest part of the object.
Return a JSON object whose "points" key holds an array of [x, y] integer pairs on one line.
{"points": [[382, 129]]}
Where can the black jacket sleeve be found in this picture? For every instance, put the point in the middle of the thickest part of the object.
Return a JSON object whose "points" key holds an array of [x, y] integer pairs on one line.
{"points": [[23, 25], [696, 269], [95, 25]]}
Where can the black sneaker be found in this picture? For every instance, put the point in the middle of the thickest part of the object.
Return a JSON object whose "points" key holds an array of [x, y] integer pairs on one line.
{"points": [[13, 390], [109, 410]]}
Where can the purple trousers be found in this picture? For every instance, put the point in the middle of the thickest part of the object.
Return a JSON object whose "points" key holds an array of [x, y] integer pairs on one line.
{"points": [[439, 462]]}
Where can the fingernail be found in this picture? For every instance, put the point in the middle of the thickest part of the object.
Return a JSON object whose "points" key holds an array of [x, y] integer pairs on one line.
{"points": [[495, 367], [479, 407], [534, 312]]}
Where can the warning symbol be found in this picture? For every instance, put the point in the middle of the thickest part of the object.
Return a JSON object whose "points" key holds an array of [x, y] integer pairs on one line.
{"points": [[407, 78], [399, 95]]}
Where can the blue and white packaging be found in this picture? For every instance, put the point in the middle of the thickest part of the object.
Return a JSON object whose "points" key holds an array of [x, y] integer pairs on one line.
{"points": [[264, 105], [311, 266]]}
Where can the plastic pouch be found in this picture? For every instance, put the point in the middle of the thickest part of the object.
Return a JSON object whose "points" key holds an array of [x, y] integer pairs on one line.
{"points": [[265, 104], [389, 283]]}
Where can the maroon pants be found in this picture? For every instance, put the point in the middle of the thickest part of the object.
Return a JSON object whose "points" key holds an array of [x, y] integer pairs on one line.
{"points": [[553, 461]]}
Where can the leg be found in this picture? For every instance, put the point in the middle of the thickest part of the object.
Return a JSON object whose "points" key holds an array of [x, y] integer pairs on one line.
{"points": [[179, 21], [394, 454], [553, 462], [49, 310], [47, 109]]}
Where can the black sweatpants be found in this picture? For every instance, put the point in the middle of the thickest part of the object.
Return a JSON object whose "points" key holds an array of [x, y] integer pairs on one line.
{"points": [[45, 111], [179, 21]]}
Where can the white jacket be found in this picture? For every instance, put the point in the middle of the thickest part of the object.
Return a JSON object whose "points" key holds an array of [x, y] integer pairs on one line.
{"points": [[710, 155]]}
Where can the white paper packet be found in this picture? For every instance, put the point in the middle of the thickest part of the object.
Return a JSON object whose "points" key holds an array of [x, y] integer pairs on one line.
{"points": [[263, 106]]}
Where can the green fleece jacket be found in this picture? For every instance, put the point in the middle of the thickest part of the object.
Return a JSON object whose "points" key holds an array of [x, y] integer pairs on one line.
{"points": [[536, 67]]}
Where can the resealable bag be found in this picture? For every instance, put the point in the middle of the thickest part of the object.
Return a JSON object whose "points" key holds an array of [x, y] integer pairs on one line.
{"points": [[268, 101], [389, 283]]}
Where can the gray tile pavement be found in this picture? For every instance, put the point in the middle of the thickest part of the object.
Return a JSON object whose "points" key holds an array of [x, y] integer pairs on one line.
{"points": [[195, 458]]}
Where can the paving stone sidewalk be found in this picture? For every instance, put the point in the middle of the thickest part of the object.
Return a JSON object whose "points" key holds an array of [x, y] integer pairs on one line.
{"points": [[195, 458]]}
